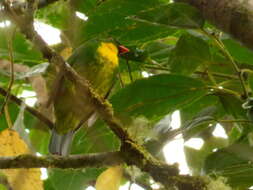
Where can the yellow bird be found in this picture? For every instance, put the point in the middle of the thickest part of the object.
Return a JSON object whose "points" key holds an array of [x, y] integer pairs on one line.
{"points": [[97, 61]]}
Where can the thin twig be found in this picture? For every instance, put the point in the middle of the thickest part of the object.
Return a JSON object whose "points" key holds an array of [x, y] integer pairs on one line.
{"points": [[129, 70], [211, 78], [234, 121], [221, 75], [224, 91], [10, 49], [226, 53], [122, 85], [7, 117], [31, 110]]}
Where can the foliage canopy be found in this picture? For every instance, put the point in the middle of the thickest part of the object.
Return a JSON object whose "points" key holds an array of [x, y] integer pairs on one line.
{"points": [[178, 61]]}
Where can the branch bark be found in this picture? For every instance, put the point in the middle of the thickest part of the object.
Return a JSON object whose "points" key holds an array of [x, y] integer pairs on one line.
{"points": [[231, 16], [31, 110], [74, 162]]}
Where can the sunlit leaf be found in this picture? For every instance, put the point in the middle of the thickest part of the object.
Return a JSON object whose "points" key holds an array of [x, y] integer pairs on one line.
{"points": [[110, 178]]}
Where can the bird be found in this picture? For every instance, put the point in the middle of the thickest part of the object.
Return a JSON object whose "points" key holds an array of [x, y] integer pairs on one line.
{"points": [[97, 61]]}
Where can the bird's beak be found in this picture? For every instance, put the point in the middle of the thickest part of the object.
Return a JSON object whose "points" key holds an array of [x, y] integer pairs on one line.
{"points": [[123, 50]]}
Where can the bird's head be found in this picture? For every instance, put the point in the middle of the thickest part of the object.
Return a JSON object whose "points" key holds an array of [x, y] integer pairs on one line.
{"points": [[110, 50]]}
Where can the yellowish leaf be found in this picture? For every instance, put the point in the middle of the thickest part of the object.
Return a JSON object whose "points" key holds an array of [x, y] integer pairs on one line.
{"points": [[110, 179], [20, 179]]}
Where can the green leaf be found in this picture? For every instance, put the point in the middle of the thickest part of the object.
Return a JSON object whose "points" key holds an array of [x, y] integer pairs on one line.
{"points": [[195, 126], [240, 53], [56, 14], [196, 158], [233, 106], [140, 32], [194, 109], [86, 6], [39, 140], [174, 14], [72, 179], [23, 50], [97, 138], [156, 96], [197, 117], [189, 53], [13, 111], [159, 51], [251, 81], [234, 162], [48, 185], [2, 187], [112, 14]]}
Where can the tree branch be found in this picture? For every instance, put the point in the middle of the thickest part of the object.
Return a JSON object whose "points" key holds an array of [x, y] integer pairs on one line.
{"points": [[31, 110], [19, 7], [74, 162]]}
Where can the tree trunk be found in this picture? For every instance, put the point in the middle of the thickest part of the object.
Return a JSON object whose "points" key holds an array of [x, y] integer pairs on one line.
{"points": [[234, 17]]}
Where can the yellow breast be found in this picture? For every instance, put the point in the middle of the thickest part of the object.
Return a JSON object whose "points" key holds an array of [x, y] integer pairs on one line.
{"points": [[109, 52]]}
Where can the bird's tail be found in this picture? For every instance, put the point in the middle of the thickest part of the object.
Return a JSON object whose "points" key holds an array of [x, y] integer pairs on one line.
{"points": [[60, 143]]}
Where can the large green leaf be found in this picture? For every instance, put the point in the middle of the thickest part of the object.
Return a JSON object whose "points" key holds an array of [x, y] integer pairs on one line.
{"points": [[71, 179], [158, 95], [13, 111], [97, 138], [196, 158], [39, 140], [233, 106], [197, 117], [140, 32], [112, 14], [189, 53], [240, 53], [56, 14], [23, 50], [86, 6], [159, 51], [234, 162], [194, 109], [174, 14]]}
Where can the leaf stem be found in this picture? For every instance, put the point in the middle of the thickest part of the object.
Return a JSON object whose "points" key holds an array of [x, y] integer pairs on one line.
{"points": [[235, 121], [224, 91], [226, 53], [129, 70], [10, 49]]}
